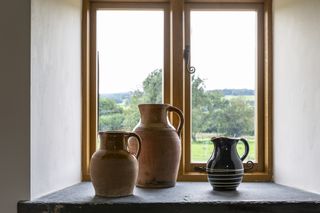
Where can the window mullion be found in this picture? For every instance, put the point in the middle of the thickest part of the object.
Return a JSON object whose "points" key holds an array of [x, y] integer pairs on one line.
{"points": [[177, 62]]}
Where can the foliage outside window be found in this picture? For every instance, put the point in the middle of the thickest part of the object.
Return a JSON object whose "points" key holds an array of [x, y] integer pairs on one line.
{"points": [[119, 111]]}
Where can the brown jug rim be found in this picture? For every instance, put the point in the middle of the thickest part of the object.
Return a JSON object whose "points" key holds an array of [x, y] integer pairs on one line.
{"points": [[224, 138], [113, 132]]}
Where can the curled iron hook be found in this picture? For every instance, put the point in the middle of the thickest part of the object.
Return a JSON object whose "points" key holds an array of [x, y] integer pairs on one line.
{"points": [[249, 165], [190, 69]]}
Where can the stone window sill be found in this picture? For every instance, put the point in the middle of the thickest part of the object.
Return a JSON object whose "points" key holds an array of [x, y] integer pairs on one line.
{"points": [[185, 197]]}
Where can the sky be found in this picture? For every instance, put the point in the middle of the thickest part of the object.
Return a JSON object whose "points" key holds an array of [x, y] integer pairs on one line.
{"points": [[130, 45]]}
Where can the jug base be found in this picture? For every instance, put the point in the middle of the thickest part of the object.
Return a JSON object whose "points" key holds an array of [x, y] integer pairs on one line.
{"points": [[113, 195], [163, 184], [224, 189]]}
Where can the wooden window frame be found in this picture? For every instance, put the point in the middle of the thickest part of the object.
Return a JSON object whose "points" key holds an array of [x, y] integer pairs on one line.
{"points": [[189, 167], [176, 37]]}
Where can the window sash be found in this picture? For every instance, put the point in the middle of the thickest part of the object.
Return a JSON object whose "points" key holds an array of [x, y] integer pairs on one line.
{"points": [[259, 118], [93, 57]]}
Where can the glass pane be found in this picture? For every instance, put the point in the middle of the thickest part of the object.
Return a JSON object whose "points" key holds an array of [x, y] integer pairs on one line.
{"points": [[130, 47], [224, 52]]}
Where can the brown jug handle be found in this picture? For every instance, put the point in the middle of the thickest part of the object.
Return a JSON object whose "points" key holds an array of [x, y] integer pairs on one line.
{"points": [[246, 148], [132, 134], [181, 117]]}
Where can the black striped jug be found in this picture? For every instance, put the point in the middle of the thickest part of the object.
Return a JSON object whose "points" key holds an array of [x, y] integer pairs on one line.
{"points": [[224, 168]]}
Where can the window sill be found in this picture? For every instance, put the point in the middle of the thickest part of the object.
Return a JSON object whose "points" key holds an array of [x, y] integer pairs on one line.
{"points": [[185, 197]]}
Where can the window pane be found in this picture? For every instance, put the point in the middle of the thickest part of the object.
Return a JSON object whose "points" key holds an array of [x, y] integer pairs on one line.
{"points": [[224, 52], [130, 47]]}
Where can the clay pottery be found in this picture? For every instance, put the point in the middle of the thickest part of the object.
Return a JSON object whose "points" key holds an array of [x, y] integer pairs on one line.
{"points": [[160, 147], [224, 168], [113, 169]]}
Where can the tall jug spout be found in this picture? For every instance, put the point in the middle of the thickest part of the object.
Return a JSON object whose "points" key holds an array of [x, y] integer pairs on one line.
{"points": [[153, 113]]}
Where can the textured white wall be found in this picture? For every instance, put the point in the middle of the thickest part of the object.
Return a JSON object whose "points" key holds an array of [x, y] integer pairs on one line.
{"points": [[297, 93], [14, 103], [55, 95]]}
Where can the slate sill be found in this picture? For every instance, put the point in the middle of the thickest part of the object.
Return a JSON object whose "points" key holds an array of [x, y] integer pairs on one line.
{"points": [[185, 197]]}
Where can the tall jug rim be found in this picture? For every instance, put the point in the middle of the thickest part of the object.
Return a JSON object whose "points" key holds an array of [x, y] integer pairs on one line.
{"points": [[153, 105]]}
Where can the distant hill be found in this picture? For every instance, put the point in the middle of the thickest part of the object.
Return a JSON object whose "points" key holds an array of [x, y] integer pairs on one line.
{"points": [[117, 97], [236, 92], [121, 97]]}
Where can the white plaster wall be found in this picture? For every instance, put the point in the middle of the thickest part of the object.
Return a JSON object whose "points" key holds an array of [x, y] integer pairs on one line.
{"points": [[297, 93], [14, 103], [55, 95]]}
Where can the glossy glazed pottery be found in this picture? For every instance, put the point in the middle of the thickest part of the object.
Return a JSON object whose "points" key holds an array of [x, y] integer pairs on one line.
{"points": [[113, 169], [160, 146], [224, 168]]}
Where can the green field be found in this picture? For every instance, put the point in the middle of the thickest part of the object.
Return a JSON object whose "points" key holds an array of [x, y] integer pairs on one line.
{"points": [[202, 150]]}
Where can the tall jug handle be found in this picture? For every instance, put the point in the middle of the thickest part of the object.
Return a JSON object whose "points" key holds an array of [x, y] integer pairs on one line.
{"points": [[181, 117], [132, 134], [246, 148]]}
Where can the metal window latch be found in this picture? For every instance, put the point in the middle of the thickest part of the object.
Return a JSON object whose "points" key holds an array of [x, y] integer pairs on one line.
{"points": [[190, 69], [201, 169], [248, 166]]}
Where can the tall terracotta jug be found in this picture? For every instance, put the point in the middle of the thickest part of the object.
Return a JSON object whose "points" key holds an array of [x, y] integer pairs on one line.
{"points": [[113, 169], [160, 146]]}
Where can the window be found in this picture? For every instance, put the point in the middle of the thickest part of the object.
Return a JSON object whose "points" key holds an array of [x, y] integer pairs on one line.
{"points": [[128, 45]]}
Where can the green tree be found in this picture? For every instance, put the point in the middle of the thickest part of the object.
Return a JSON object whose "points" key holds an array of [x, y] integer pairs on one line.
{"points": [[215, 105], [131, 112], [110, 115], [198, 91], [152, 87], [237, 118], [108, 106], [212, 112], [199, 102], [151, 93], [111, 122]]}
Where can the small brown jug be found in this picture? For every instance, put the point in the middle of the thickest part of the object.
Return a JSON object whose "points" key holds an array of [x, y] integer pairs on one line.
{"points": [[160, 147], [113, 169]]}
